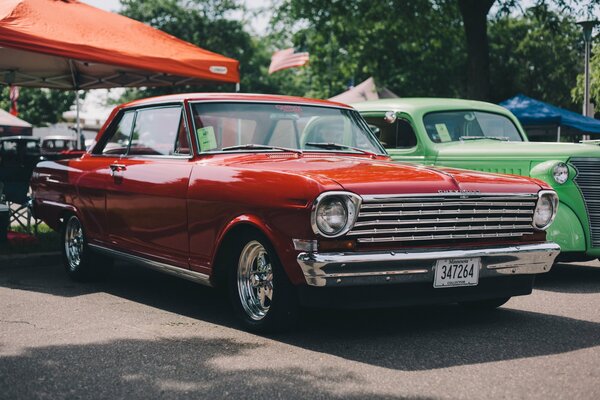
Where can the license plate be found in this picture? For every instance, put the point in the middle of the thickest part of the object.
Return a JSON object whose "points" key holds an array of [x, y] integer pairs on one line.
{"points": [[457, 272]]}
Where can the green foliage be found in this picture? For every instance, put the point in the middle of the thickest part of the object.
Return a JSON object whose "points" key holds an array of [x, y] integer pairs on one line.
{"points": [[577, 92], [39, 107], [210, 24], [538, 54], [414, 47]]}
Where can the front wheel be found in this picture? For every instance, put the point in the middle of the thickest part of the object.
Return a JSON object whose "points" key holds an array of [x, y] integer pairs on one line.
{"points": [[80, 263], [262, 297], [484, 305]]}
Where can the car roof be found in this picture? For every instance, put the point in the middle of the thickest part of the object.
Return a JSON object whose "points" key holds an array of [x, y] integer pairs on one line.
{"points": [[19, 138], [58, 137], [425, 104], [245, 97]]}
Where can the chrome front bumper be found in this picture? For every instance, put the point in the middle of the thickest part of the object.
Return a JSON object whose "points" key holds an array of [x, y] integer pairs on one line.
{"points": [[377, 268]]}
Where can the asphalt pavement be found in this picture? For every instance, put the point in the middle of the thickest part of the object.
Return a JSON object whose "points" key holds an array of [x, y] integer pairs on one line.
{"points": [[138, 334]]}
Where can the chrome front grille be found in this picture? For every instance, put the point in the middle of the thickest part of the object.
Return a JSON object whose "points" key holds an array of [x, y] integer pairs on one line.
{"points": [[446, 217], [588, 180]]}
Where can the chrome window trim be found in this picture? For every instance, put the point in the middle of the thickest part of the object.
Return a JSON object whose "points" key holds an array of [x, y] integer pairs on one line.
{"points": [[187, 274], [340, 107], [135, 109]]}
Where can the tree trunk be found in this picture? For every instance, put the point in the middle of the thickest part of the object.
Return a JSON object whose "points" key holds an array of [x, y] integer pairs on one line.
{"points": [[474, 14]]}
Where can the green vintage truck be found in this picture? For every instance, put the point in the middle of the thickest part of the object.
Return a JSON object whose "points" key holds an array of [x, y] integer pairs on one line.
{"points": [[486, 137]]}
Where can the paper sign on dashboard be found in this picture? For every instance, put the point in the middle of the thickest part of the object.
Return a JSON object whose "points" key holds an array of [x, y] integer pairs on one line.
{"points": [[206, 138], [443, 133]]}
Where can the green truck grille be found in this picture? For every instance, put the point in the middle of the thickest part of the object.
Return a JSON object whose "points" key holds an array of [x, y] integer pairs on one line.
{"points": [[588, 181]]}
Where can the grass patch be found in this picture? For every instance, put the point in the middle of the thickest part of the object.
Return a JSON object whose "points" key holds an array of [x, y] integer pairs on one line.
{"points": [[47, 240]]}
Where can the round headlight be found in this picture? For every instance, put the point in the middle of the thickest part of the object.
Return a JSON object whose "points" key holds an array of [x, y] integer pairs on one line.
{"points": [[545, 211], [334, 213], [332, 216], [560, 172]]}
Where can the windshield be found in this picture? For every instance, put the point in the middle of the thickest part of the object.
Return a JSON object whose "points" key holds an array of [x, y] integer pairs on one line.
{"points": [[277, 127], [452, 126]]}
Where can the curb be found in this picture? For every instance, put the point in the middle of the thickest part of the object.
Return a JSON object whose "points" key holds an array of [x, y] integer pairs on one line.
{"points": [[30, 260]]}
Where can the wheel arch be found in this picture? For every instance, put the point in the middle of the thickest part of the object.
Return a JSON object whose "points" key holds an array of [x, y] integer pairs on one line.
{"points": [[238, 226]]}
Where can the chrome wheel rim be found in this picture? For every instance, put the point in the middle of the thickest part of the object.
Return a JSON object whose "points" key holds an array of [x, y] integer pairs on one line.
{"points": [[255, 280], [73, 243]]}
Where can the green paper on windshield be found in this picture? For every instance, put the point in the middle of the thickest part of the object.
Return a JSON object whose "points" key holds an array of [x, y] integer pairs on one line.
{"points": [[206, 138], [443, 133]]}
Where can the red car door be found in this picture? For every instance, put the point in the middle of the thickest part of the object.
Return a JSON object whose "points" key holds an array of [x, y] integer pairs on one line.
{"points": [[146, 204]]}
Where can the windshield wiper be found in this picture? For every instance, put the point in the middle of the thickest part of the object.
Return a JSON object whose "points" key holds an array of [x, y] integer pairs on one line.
{"points": [[501, 138], [252, 146], [337, 146]]}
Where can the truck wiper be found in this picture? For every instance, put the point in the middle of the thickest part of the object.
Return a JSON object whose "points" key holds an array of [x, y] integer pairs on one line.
{"points": [[501, 138], [337, 146], [252, 146]]}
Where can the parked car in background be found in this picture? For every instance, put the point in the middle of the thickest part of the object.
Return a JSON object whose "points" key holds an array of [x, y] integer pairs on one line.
{"points": [[59, 146], [288, 201], [486, 137]]}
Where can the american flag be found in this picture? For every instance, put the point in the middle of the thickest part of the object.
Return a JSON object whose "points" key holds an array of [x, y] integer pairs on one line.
{"points": [[284, 59], [14, 96]]}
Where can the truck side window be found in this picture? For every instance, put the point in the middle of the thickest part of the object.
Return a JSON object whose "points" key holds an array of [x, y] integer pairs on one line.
{"points": [[399, 135]]}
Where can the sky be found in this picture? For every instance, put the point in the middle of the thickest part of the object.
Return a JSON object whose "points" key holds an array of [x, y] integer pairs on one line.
{"points": [[258, 24]]}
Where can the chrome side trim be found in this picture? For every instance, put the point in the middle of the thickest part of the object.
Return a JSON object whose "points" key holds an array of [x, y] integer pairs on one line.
{"points": [[190, 275], [373, 268]]}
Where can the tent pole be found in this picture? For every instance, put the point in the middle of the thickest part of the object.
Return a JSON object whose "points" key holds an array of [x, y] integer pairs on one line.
{"points": [[558, 134], [237, 87], [78, 126]]}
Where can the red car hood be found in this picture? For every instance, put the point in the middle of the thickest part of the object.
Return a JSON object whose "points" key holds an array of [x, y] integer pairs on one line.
{"points": [[365, 176]]}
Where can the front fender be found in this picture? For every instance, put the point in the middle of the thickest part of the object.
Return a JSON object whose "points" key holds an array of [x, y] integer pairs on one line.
{"points": [[281, 243], [566, 230]]}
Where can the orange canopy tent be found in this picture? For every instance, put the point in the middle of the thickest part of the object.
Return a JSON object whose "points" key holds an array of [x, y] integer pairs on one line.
{"points": [[65, 44]]}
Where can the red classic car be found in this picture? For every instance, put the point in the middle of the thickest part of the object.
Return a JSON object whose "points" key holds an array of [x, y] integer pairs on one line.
{"points": [[288, 202]]}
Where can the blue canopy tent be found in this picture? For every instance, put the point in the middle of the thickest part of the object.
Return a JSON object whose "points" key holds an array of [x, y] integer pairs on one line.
{"points": [[535, 114]]}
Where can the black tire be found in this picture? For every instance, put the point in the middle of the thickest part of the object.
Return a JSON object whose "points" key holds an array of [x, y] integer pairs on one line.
{"points": [[254, 272], [80, 262], [484, 305]]}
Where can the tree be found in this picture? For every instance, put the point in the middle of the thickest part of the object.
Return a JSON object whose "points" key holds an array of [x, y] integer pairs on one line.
{"points": [[209, 24], [39, 107], [537, 53], [414, 47], [475, 17]]}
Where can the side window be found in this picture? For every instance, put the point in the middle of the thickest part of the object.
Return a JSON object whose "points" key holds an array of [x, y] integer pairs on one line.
{"points": [[399, 135], [385, 132], [406, 135], [119, 138], [157, 131]]}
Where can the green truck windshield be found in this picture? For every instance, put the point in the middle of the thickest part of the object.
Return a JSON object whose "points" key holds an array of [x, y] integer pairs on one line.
{"points": [[451, 126]]}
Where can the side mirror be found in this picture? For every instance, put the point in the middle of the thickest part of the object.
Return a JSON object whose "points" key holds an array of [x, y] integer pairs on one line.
{"points": [[390, 117]]}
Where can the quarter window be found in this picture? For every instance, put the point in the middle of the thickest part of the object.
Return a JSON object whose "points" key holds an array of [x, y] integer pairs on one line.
{"points": [[119, 139]]}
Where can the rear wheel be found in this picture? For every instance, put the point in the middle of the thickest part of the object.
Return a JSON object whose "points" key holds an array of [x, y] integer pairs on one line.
{"points": [[484, 305], [262, 297], [80, 263]]}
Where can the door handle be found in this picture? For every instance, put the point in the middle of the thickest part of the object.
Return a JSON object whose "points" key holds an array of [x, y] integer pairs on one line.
{"points": [[117, 167], [114, 168]]}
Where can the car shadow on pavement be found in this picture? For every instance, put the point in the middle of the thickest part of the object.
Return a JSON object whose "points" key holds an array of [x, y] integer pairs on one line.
{"points": [[164, 368], [410, 339], [570, 278]]}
